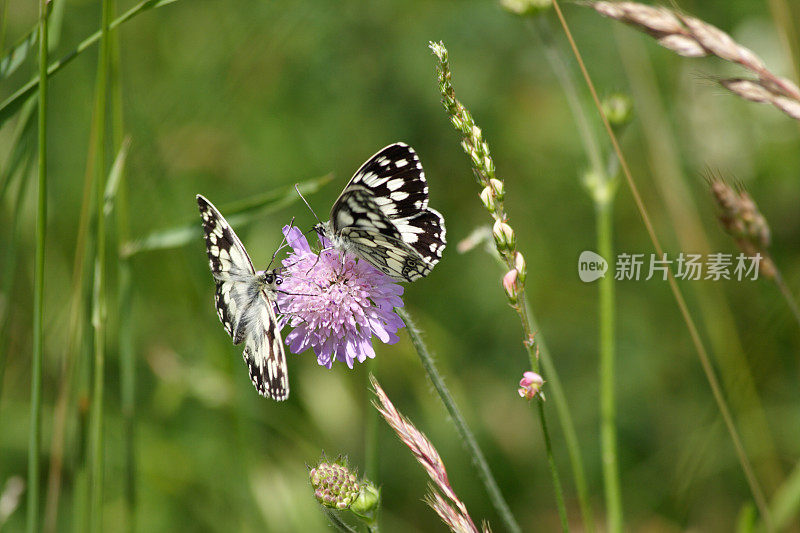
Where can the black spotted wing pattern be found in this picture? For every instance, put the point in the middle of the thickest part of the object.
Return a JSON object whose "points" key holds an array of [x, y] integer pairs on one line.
{"points": [[383, 215], [244, 304]]}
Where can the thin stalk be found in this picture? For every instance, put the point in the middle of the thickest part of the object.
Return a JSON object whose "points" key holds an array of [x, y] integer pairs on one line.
{"points": [[602, 196], [566, 79], [533, 357], [478, 459], [124, 287], [34, 446], [705, 362], [608, 432], [556, 394], [96, 448]]}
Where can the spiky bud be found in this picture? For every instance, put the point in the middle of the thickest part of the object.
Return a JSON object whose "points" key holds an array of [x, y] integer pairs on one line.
{"points": [[334, 485]]}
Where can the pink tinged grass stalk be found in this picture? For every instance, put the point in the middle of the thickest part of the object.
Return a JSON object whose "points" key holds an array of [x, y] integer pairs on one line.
{"points": [[442, 498], [692, 37], [741, 219]]}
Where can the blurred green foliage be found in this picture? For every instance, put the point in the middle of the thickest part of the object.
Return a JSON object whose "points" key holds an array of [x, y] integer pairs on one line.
{"points": [[233, 99]]}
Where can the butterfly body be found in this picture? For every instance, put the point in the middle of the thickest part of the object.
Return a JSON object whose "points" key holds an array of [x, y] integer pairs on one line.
{"points": [[382, 216], [244, 300]]}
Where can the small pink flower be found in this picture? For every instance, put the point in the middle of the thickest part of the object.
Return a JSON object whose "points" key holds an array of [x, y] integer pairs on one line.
{"points": [[510, 285], [531, 385]]}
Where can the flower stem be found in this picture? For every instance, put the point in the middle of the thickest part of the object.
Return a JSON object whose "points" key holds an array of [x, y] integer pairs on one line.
{"points": [[96, 448], [467, 437], [608, 434], [533, 355], [556, 393], [34, 446]]}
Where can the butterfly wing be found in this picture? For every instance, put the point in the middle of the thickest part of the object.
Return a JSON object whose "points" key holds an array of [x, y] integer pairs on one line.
{"points": [[243, 306], [263, 352], [388, 198]]}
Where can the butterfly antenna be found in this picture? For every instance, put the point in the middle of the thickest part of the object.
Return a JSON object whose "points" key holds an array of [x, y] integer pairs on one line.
{"points": [[297, 188], [280, 246]]}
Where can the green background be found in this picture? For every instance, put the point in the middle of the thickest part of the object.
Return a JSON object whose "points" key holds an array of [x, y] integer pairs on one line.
{"points": [[232, 99]]}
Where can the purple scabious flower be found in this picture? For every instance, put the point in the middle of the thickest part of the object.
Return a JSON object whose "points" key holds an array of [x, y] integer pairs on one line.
{"points": [[335, 308]]}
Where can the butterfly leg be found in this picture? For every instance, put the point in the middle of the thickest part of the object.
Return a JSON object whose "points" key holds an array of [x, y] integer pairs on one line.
{"points": [[318, 257]]}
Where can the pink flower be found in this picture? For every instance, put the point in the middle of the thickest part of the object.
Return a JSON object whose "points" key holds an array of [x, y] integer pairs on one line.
{"points": [[336, 307], [531, 385]]}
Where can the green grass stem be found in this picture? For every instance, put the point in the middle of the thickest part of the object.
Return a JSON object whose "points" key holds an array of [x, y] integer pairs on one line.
{"points": [[35, 441], [97, 446], [604, 211]]}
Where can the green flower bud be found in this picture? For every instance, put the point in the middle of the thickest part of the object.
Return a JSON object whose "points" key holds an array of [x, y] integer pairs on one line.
{"points": [[526, 7], [618, 109], [367, 503]]}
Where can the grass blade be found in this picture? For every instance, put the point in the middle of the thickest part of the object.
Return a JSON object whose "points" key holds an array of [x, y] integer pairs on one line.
{"points": [[96, 419], [35, 440], [236, 213]]}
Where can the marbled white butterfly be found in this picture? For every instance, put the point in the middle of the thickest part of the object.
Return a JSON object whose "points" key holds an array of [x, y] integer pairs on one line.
{"points": [[244, 300], [383, 216]]}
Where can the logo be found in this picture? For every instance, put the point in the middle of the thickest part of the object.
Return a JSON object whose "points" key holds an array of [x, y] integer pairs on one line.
{"points": [[591, 266]]}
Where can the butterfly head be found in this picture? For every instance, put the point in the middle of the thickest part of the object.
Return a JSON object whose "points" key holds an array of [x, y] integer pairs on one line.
{"points": [[270, 278], [323, 229]]}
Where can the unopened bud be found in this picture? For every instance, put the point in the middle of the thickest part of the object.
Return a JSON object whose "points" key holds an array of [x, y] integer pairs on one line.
{"points": [[618, 109], [498, 188], [526, 7], [531, 385], [334, 485], [521, 267], [487, 197], [510, 285], [503, 236], [367, 502]]}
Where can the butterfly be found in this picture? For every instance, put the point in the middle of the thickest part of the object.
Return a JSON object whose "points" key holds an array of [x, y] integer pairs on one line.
{"points": [[244, 301], [382, 216]]}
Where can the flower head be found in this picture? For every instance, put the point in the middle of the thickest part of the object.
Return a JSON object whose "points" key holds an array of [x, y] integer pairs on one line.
{"points": [[336, 306], [531, 385], [334, 484]]}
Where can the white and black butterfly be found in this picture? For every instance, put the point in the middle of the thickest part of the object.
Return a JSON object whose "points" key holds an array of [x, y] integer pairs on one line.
{"points": [[244, 300], [383, 216]]}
